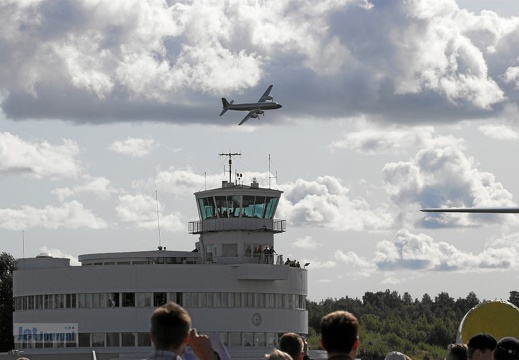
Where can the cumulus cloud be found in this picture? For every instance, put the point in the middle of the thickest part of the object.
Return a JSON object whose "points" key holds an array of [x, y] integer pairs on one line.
{"points": [[134, 147], [60, 254], [499, 132], [140, 211], [420, 252], [324, 202], [147, 60], [70, 215], [99, 187], [446, 177], [306, 242], [37, 160], [362, 266]]}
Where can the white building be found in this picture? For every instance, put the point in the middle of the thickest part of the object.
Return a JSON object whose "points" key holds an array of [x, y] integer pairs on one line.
{"points": [[245, 299]]}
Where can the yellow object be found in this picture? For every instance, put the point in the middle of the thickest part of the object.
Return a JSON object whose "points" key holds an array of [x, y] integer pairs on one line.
{"points": [[497, 318]]}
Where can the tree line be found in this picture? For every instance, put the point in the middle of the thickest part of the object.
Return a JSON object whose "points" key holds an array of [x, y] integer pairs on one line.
{"points": [[421, 329]]}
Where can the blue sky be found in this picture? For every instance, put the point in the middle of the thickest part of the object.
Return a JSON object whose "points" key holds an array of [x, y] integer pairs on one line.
{"points": [[388, 107]]}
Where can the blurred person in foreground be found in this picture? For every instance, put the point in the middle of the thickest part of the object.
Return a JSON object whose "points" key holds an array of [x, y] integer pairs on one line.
{"points": [[481, 347], [339, 335], [507, 349], [293, 345], [457, 352], [171, 332]]}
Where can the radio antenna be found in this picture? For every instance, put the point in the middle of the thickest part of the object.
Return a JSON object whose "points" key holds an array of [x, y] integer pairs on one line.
{"points": [[270, 176], [158, 218], [230, 155]]}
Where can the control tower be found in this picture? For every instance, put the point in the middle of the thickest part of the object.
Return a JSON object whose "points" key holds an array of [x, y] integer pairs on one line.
{"points": [[235, 221]]}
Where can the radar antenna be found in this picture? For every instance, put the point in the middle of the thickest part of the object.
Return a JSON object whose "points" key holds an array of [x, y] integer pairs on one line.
{"points": [[230, 155]]}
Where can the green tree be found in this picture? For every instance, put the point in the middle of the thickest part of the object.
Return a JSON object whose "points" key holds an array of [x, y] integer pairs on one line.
{"points": [[514, 298], [6, 302]]}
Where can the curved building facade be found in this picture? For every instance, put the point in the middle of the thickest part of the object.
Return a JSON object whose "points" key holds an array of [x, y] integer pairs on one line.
{"points": [[243, 298]]}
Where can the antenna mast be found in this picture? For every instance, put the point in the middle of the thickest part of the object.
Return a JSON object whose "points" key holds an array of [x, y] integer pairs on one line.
{"points": [[272, 177], [230, 155], [158, 218]]}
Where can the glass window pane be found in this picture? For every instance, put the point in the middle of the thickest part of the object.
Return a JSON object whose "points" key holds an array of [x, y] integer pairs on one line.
{"points": [[202, 300], [271, 339], [128, 339], [223, 338], [259, 339], [234, 339], [143, 339], [248, 339], [271, 207], [128, 299], [112, 339], [98, 339], [217, 300], [143, 299], [159, 298], [224, 297], [84, 339]]}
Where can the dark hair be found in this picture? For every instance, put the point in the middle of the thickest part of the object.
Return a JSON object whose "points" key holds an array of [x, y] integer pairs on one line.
{"points": [[170, 324], [458, 351], [292, 344], [339, 330]]}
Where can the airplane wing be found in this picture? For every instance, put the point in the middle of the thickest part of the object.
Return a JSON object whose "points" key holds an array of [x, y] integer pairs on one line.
{"points": [[248, 116], [509, 210], [265, 95]]}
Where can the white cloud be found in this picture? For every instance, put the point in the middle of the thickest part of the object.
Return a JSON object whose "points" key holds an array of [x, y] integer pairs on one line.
{"points": [[445, 176], [141, 211], [499, 132], [384, 141], [38, 160], [306, 242], [99, 187], [134, 147], [421, 252], [60, 254], [324, 202], [71, 215], [119, 60]]}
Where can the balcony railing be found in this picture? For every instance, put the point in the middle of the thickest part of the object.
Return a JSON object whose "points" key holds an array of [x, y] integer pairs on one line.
{"points": [[231, 224]]}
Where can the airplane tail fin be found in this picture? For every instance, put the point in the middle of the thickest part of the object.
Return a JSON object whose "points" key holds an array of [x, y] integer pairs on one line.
{"points": [[225, 105]]}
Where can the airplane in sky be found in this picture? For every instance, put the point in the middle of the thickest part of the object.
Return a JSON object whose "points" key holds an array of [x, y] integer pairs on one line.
{"points": [[254, 109]]}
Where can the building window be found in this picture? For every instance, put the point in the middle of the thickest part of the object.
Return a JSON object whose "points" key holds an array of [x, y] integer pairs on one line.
{"points": [[248, 339], [112, 339], [272, 339], [84, 339], [143, 299], [128, 299], [128, 339], [98, 339], [259, 339], [71, 300], [234, 339], [143, 339], [159, 298]]}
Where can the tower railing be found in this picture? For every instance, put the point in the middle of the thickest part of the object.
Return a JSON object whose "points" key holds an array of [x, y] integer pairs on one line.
{"points": [[233, 224]]}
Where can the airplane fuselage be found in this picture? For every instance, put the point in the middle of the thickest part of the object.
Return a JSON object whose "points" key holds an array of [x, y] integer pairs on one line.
{"points": [[254, 106]]}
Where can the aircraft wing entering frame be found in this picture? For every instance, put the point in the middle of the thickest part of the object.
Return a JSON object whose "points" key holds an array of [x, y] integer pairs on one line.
{"points": [[508, 210], [266, 95]]}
